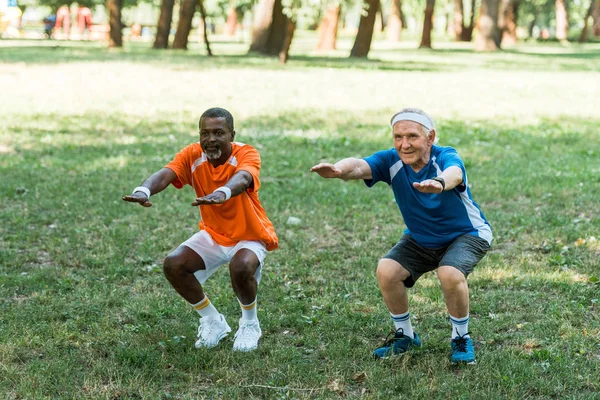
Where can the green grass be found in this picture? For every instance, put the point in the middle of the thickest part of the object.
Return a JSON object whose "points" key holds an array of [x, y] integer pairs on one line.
{"points": [[85, 311]]}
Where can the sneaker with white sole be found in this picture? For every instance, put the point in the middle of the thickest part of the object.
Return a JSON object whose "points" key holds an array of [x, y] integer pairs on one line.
{"points": [[246, 338], [211, 331]]}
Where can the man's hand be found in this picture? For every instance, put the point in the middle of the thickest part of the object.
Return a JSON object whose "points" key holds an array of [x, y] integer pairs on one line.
{"points": [[138, 197], [326, 170], [428, 186], [212, 198]]}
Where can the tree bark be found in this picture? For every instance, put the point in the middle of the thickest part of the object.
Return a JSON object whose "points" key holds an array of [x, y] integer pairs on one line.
{"points": [[278, 30], [164, 24], [487, 40], [508, 21], [231, 23], [467, 31], [458, 20], [562, 20], [204, 29], [588, 14], [287, 43], [362, 43], [427, 25], [186, 14], [262, 25], [115, 38], [596, 19], [394, 22], [328, 28]]}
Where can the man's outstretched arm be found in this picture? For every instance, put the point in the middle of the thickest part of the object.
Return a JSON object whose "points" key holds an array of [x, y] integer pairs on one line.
{"points": [[156, 183], [235, 186], [346, 169]]}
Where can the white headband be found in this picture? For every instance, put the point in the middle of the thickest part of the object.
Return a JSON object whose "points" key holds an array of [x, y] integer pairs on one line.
{"points": [[411, 116]]}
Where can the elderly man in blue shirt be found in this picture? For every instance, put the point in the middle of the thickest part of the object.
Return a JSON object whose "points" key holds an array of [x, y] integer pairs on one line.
{"points": [[446, 230]]}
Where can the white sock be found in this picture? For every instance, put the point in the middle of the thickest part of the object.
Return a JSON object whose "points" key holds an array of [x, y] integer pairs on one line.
{"points": [[403, 321], [460, 326], [205, 308], [249, 311]]}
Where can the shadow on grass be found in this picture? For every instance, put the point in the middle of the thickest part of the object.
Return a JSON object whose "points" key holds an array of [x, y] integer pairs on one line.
{"points": [[44, 52]]}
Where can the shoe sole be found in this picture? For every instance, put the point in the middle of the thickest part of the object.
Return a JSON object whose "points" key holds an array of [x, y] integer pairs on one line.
{"points": [[463, 362]]}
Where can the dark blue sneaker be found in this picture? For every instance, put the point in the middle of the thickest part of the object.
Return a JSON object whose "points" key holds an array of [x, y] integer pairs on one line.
{"points": [[463, 350], [398, 344]]}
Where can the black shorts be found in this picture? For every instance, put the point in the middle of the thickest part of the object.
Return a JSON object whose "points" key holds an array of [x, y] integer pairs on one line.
{"points": [[463, 254]]}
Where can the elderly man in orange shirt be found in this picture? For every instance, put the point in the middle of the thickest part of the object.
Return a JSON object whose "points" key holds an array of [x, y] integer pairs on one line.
{"points": [[234, 228]]}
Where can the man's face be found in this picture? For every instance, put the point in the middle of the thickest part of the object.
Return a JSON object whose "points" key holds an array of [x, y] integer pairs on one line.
{"points": [[412, 143], [215, 138]]}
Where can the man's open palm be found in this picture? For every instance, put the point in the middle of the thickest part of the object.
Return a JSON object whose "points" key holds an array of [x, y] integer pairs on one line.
{"points": [[138, 197], [212, 198], [326, 170]]}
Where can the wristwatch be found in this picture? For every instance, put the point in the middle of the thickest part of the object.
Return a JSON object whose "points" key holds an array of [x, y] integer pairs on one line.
{"points": [[440, 180]]}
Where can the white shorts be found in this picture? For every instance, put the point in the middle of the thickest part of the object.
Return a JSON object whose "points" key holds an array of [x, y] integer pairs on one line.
{"points": [[215, 255]]}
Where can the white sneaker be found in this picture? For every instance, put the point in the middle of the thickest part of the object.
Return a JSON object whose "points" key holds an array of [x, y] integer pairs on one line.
{"points": [[246, 338], [211, 331]]}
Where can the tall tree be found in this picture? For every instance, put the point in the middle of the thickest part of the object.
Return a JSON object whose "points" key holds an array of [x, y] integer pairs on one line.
{"points": [[115, 38], [507, 22], [489, 35], [328, 28], [187, 9], [596, 19], [204, 29], [394, 21], [262, 25], [562, 20], [161, 41], [427, 25], [588, 14], [362, 43], [287, 42], [462, 32]]}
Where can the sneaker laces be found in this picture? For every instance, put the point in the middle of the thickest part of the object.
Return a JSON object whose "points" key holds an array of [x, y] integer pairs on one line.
{"points": [[205, 327], [391, 337], [246, 332], [460, 342]]}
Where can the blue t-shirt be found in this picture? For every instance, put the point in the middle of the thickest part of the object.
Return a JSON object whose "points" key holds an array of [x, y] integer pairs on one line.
{"points": [[433, 220]]}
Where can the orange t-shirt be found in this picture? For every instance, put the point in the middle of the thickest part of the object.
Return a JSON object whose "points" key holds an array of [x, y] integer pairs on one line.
{"points": [[240, 218]]}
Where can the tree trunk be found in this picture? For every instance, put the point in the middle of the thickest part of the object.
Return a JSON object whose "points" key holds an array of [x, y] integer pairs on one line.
{"points": [[116, 25], [467, 31], [458, 22], [508, 21], [231, 23], [588, 14], [204, 29], [164, 24], [427, 25], [278, 30], [262, 25], [187, 9], [328, 28], [287, 43], [362, 43], [596, 19], [394, 22], [487, 39], [562, 20]]}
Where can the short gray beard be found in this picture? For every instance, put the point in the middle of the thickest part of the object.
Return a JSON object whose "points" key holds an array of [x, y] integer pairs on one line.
{"points": [[213, 155]]}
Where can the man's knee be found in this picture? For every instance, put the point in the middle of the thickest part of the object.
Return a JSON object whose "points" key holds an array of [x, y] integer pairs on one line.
{"points": [[173, 265], [450, 276], [391, 272], [243, 265]]}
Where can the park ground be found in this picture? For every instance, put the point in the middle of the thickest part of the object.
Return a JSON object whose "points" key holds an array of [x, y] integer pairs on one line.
{"points": [[85, 311]]}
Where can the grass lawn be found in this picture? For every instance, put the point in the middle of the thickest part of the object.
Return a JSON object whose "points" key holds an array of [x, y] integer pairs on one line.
{"points": [[85, 311]]}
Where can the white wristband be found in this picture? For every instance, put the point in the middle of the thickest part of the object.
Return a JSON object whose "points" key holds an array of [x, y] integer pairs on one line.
{"points": [[225, 190], [142, 189]]}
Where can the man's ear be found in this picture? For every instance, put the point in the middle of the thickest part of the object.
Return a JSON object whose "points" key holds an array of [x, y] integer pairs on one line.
{"points": [[232, 135], [431, 138]]}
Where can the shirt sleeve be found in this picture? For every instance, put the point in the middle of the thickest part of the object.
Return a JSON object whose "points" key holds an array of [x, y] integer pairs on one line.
{"points": [[249, 161], [380, 167], [181, 166], [450, 158]]}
